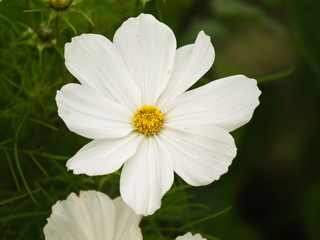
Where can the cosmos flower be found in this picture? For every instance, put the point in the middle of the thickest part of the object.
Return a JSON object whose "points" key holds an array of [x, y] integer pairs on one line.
{"points": [[189, 236], [133, 102], [92, 216]]}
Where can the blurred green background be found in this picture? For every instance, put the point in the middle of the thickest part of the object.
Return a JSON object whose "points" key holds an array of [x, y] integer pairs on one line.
{"points": [[273, 185]]}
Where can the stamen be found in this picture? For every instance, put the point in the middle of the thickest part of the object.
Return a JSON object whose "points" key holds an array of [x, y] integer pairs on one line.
{"points": [[148, 120]]}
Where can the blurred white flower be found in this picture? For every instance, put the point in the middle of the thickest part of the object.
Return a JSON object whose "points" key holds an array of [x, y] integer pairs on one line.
{"points": [[92, 216], [189, 236], [133, 102]]}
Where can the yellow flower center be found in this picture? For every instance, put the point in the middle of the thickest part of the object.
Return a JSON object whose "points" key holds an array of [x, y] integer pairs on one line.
{"points": [[148, 120]]}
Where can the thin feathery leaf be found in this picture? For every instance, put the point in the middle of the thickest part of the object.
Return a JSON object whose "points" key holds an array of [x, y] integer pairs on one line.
{"points": [[17, 161]]}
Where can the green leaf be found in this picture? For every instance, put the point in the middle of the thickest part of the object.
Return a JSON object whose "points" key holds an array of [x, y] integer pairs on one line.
{"points": [[79, 10], [13, 173], [207, 218], [24, 215], [17, 161], [13, 199], [276, 76]]}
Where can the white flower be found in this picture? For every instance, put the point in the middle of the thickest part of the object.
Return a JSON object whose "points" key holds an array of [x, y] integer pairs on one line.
{"points": [[189, 236], [92, 216], [133, 102]]}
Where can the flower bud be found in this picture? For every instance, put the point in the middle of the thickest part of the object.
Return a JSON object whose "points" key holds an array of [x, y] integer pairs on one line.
{"points": [[60, 4], [44, 33]]}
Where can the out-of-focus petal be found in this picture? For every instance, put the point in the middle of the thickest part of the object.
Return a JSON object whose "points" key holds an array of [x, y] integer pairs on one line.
{"points": [[189, 236], [90, 216], [127, 224]]}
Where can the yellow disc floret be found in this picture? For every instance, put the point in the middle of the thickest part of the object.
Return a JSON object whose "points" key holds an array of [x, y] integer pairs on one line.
{"points": [[148, 120]]}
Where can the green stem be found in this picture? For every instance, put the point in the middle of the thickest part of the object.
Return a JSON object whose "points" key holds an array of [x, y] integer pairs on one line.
{"points": [[136, 7], [58, 30], [41, 62], [17, 160], [58, 45], [207, 218], [276, 76], [160, 18], [30, 14]]}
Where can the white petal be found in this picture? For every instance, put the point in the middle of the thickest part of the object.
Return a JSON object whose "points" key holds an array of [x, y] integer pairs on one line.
{"points": [[100, 157], [189, 236], [146, 177], [88, 113], [148, 49], [228, 103], [96, 63], [190, 64], [127, 224], [91, 216], [200, 155]]}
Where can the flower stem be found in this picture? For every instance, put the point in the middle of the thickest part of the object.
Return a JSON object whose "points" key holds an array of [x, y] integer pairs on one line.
{"points": [[58, 30], [58, 45], [30, 14], [41, 62], [136, 7], [159, 10]]}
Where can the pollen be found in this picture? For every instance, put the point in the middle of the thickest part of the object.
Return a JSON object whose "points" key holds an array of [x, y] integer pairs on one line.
{"points": [[148, 120]]}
